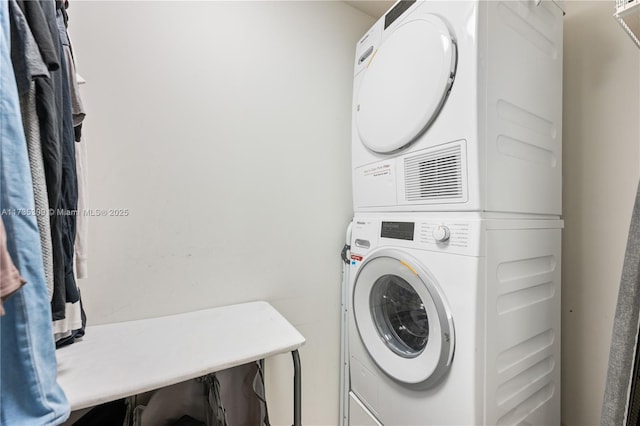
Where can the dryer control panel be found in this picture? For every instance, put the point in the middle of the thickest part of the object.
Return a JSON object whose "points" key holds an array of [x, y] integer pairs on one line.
{"points": [[397, 11]]}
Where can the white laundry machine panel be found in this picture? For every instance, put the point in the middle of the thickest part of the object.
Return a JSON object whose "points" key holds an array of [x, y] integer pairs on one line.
{"points": [[454, 320], [457, 106]]}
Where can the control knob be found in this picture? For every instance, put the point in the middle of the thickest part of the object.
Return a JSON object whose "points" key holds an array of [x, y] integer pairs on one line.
{"points": [[441, 233]]}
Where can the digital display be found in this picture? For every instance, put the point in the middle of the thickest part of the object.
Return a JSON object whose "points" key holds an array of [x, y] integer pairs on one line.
{"points": [[398, 230], [395, 13]]}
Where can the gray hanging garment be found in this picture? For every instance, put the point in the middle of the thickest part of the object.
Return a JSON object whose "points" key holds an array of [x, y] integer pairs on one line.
{"points": [[620, 390]]}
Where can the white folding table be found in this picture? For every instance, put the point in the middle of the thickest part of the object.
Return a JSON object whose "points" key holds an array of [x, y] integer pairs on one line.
{"points": [[117, 360]]}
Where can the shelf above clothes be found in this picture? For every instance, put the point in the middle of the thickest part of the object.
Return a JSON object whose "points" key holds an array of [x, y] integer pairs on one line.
{"points": [[628, 16]]}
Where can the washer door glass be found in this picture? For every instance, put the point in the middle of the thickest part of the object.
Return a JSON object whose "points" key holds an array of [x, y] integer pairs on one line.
{"points": [[405, 84], [402, 318], [399, 315]]}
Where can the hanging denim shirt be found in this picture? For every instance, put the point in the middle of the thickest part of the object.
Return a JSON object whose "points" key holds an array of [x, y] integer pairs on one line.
{"points": [[29, 393]]}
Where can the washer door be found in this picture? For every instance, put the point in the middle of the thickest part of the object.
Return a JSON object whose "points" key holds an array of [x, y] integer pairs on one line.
{"points": [[406, 84], [402, 318]]}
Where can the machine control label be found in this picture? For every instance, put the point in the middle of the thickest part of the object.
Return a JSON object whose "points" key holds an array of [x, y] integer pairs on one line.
{"points": [[378, 171]]}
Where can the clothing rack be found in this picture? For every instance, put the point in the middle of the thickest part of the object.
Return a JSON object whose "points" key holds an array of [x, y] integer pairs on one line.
{"points": [[128, 358]]}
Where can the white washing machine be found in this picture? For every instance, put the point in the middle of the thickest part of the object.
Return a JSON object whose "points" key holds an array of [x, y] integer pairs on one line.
{"points": [[457, 106], [454, 320]]}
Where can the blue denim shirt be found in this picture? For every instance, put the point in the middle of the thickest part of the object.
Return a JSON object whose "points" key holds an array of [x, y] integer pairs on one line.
{"points": [[29, 393]]}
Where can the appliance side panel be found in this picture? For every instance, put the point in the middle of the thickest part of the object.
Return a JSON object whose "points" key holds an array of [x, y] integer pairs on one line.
{"points": [[523, 326], [523, 137]]}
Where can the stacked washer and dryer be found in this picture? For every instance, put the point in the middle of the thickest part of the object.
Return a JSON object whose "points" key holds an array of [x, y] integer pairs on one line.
{"points": [[453, 298]]}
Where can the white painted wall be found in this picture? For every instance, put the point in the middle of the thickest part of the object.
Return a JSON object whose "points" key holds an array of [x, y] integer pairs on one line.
{"points": [[224, 129], [601, 169]]}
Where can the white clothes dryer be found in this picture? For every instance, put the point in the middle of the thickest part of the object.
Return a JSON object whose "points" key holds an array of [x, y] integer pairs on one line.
{"points": [[457, 106], [454, 320]]}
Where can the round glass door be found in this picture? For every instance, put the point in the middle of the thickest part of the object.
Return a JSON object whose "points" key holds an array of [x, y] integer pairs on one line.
{"points": [[405, 84], [399, 315], [402, 318]]}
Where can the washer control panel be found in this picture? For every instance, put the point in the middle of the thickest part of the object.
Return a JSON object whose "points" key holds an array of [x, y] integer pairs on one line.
{"points": [[432, 232], [398, 230], [452, 233]]}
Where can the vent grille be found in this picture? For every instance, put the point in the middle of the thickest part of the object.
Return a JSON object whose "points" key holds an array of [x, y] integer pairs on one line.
{"points": [[434, 175]]}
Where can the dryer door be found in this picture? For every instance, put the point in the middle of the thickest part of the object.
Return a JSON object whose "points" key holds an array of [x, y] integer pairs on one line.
{"points": [[405, 84], [403, 319]]}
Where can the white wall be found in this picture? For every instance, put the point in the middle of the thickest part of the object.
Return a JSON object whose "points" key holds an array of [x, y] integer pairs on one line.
{"points": [[224, 129], [601, 168]]}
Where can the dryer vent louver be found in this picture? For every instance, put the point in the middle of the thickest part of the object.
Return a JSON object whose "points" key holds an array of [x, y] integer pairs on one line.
{"points": [[435, 175]]}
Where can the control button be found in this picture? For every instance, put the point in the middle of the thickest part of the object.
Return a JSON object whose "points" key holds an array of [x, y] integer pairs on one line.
{"points": [[441, 233]]}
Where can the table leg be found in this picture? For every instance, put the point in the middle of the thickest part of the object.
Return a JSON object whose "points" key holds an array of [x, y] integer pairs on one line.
{"points": [[297, 389]]}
